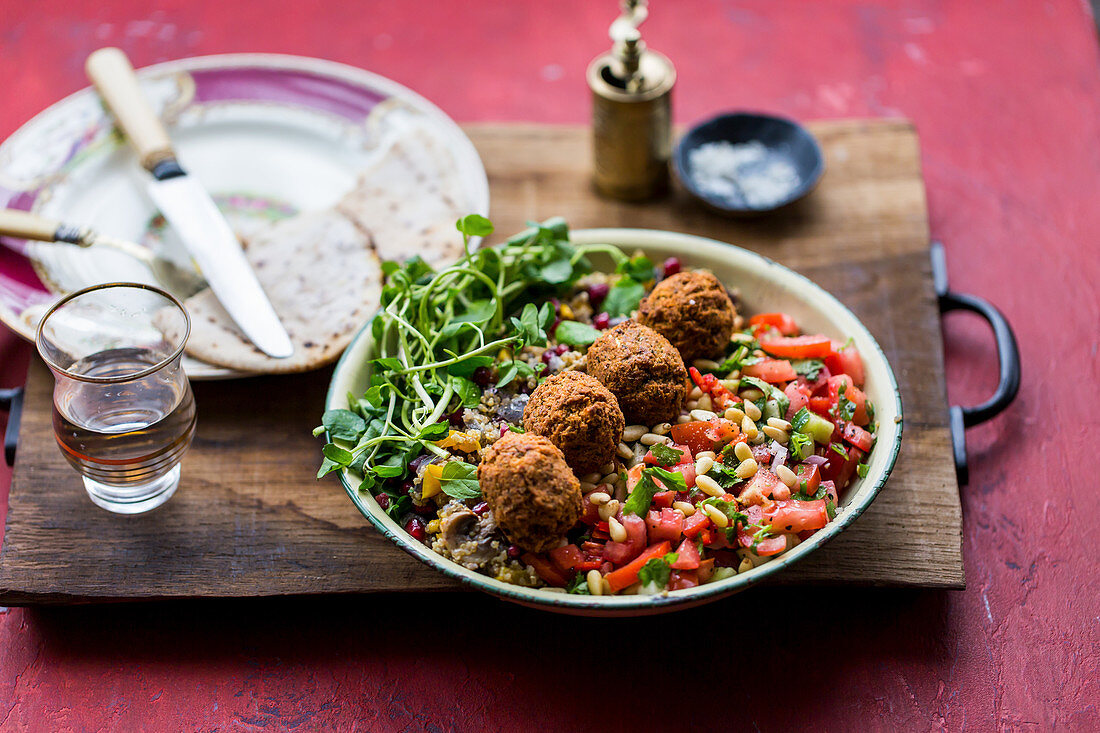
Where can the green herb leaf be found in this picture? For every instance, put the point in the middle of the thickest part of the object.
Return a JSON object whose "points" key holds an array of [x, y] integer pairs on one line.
{"points": [[337, 454], [624, 297], [641, 497], [839, 449], [579, 585], [575, 333], [392, 467], [801, 446], [474, 225], [469, 394], [343, 425], [459, 480], [479, 311], [639, 268], [516, 429], [557, 272], [862, 470], [672, 480], [730, 509], [467, 366], [771, 392], [508, 373], [327, 466], [658, 570], [808, 368], [435, 431], [388, 364], [665, 455]]}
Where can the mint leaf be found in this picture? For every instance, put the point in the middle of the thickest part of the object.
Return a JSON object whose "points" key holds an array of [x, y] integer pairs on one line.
{"points": [[641, 497], [459, 480]]}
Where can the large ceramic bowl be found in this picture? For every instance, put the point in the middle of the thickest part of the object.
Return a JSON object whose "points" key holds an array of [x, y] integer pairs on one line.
{"points": [[765, 286]]}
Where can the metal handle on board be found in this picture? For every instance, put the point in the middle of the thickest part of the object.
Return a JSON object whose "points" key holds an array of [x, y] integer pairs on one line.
{"points": [[12, 401], [1008, 356]]}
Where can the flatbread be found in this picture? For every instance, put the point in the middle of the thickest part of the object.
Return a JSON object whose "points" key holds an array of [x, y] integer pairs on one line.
{"points": [[408, 199], [322, 277]]}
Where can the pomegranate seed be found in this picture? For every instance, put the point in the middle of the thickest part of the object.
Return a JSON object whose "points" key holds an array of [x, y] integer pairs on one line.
{"points": [[481, 508], [561, 349], [455, 419], [546, 356], [514, 551], [554, 326], [503, 431], [671, 266], [602, 321], [415, 526], [383, 501], [597, 292], [424, 510], [481, 376]]}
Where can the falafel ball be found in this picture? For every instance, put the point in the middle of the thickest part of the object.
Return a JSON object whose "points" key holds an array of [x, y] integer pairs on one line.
{"points": [[643, 370], [693, 311], [580, 416], [534, 497]]}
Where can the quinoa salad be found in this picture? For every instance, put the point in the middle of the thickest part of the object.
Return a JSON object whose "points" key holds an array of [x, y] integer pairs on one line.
{"points": [[633, 431]]}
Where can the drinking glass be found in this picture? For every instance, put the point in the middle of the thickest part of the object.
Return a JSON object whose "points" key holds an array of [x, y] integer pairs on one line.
{"points": [[123, 412]]}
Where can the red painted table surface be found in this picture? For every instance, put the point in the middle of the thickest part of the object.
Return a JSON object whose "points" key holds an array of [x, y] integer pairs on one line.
{"points": [[1006, 97]]}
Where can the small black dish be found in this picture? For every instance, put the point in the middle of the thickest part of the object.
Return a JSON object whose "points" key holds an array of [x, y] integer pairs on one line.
{"points": [[784, 139]]}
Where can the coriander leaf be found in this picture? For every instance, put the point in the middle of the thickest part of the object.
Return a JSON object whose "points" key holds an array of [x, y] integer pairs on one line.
{"points": [[435, 431], [507, 374], [656, 571], [474, 225], [725, 476], [800, 446], [579, 585], [459, 480], [771, 392], [623, 297], [672, 480], [830, 509], [801, 494], [839, 449], [575, 333], [808, 368], [730, 509], [665, 455], [641, 497], [343, 425], [862, 470], [337, 454], [467, 366]]}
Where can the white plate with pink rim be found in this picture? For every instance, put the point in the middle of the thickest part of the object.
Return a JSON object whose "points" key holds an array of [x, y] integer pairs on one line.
{"points": [[268, 135]]}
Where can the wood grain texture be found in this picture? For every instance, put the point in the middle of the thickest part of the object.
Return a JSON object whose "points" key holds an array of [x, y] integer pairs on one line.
{"points": [[250, 520]]}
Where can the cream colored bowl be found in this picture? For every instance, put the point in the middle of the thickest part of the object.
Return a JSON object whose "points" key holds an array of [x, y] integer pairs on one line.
{"points": [[765, 286]]}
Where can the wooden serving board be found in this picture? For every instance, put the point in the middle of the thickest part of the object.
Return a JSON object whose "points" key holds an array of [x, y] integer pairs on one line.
{"points": [[250, 519]]}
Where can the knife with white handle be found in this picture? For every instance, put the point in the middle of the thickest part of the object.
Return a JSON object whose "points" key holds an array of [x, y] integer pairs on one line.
{"points": [[187, 206]]}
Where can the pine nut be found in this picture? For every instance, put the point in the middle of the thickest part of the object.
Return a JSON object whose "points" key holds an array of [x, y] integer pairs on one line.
{"points": [[787, 476], [595, 582], [730, 384], [700, 414], [706, 454], [633, 432], [748, 427], [620, 493], [684, 507], [720, 520], [661, 429], [779, 424], [691, 405], [599, 497], [617, 531], [587, 486], [703, 465], [706, 365], [606, 587], [654, 439], [683, 419], [742, 451], [747, 469], [776, 434], [735, 375], [734, 414], [709, 486], [758, 439], [625, 451], [742, 338], [608, 480], [591, 477], [752, 410], [751, 394], [695, 393], [745, 566], [704, 403], [609, 510]]}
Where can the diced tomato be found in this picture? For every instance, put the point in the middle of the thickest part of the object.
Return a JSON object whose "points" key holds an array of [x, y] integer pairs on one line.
{"points": [[634, 475], [628, 574], [710, 384], [687, 470], [762, 454], [566, 558], [680, 579], [799, 395], [830, 490], [621, 552], [694, 524], [590, 513], [687, 556], [857, 436], [664, 499], [773, 371], [713, 538], [704, 382], [840, 470], [781, 321], [664, 524], [635, 529], [781, 491], [702, 435], [845, 360], [545, 569], [821, 405], [592, 549], [771, 546], [685, 455], [601, 526], [797, 516], [808, 473], [763, 481], [851, 393], [799, 347]]}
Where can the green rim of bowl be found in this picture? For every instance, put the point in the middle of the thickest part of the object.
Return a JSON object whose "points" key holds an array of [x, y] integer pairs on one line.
{"points": [[702, 248]]}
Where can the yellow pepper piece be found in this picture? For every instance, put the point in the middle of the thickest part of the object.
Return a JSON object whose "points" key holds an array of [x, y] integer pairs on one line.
{"points": [[432, 484], [464, 442], [567, 312]]}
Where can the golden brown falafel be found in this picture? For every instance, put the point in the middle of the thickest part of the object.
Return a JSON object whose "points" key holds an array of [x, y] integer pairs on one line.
{"points": [[580, 416], [642, 369], [534, 497], [693, 311]]}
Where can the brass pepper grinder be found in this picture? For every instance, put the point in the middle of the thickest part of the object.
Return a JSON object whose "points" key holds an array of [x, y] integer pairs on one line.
{"points": [[631, 112]]}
